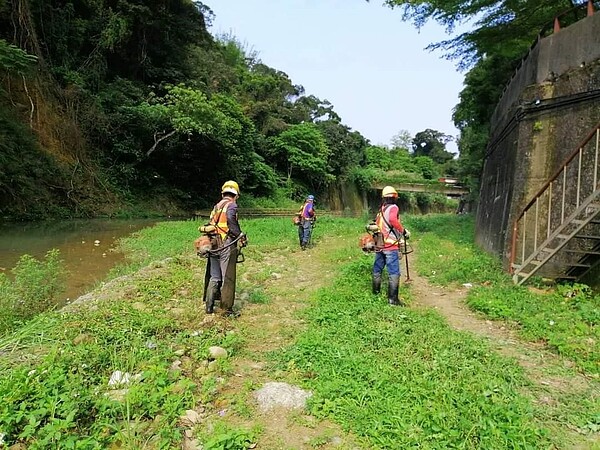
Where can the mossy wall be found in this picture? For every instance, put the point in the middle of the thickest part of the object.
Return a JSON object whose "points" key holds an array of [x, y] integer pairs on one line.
{"points": [[547, 110]]}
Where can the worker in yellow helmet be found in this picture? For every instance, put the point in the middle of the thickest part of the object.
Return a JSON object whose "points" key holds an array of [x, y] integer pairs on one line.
{"points": [[388, 221], [220, 278]]}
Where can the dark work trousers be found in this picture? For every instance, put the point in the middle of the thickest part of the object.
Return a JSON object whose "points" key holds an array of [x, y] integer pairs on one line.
{"points": [[304, 231]]}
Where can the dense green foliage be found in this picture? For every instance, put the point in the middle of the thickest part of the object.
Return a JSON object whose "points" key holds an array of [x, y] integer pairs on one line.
{"points": [[136, 103], [501, 34], [34, 288]]}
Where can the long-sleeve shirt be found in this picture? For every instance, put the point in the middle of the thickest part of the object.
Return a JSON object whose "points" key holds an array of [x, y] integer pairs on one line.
{"points": [[308, 210], [391, 213], [232, 220]]}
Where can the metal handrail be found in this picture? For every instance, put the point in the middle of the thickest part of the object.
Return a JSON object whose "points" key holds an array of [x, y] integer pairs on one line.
{"points": [[535, 201]]}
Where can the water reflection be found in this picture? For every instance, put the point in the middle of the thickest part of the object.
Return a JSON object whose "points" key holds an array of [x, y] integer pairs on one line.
{"points": [[86, 246]]}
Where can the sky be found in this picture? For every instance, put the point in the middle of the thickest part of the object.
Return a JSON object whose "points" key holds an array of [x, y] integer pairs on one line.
{"points": [[362, 57]]}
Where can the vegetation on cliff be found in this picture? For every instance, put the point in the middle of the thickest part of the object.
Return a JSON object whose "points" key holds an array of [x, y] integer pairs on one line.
{"points": [[109, 107]]}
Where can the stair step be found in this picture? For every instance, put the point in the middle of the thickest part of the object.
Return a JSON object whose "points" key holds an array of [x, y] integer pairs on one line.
{"points": [[583, 252], [587, 266], [585, 236], [549, 250]]}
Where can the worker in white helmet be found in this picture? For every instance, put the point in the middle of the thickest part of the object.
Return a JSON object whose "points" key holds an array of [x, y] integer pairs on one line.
{"points": [[392, 230]]}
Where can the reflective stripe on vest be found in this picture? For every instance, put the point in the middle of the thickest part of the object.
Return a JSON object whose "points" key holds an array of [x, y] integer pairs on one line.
{"points": [[389, 238], [218, 217]]}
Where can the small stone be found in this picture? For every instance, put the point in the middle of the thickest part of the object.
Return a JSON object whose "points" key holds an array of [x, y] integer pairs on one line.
{"points": [[119, 377], [276, 276], [180, 352], [175, 366], [216, 352], [190, 418]]}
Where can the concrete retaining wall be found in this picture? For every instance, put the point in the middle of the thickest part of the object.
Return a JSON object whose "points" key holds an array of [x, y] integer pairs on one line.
{"points": [[546, 111]]}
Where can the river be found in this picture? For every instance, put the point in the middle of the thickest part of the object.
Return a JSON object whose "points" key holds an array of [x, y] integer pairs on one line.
{"points": [[88, 247]]}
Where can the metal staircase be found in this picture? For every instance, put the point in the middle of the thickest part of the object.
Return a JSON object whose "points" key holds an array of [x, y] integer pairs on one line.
{"points": [[557, 235]]}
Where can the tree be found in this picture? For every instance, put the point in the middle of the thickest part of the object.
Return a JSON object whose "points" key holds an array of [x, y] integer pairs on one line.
{"points": [[13, 60], [502, 27], [302, 148], [347, 147], [502, 33], [402, 140], [483, 88], [378, 156], [432, 143], [427, 167]]}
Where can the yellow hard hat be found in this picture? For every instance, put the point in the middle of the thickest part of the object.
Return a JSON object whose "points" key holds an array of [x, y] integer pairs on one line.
{"points": [[389, 191], [231, 187]]}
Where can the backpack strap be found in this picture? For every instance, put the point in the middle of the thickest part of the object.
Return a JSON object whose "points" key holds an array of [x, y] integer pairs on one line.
{"points": [[392, 230]]}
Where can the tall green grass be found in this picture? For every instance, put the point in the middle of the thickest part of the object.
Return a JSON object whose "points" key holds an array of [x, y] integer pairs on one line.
{"points": [[566, 318], [400, 378], [34, 287]]}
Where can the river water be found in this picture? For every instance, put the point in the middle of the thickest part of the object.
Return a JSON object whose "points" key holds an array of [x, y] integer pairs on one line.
{"points": [[88, 247]]}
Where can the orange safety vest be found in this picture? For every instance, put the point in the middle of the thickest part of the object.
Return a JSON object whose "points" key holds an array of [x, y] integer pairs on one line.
{"points": [[218, 217], [389, 236]]}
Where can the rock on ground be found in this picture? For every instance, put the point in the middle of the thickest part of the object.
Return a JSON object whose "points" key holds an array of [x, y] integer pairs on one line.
{"points": [[275, 394]]}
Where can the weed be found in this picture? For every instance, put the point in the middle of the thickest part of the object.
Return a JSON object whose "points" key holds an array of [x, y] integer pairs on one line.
{"points": [[259, 296], [224, 437], [35, 288], [401, 378]]}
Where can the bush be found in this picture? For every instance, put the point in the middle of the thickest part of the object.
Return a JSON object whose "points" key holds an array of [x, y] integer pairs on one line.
{"points": [[34, 289]]}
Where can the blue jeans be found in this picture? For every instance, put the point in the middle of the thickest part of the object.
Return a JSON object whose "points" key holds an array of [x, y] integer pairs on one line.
{"points": [[389, 258], [304, 231]]}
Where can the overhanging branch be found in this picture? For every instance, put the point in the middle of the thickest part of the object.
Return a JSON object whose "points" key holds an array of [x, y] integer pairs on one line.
{"points": [[158, 140]]}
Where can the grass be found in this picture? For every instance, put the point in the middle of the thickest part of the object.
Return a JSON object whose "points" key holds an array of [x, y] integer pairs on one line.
{"points": [[566, 318], [394, 377], [399, 378]]}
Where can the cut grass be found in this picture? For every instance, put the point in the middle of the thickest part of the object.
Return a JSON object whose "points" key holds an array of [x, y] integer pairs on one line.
{"points": [[400, 378]]}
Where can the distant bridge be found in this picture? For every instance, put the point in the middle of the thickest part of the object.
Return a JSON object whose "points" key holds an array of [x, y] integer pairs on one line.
{"points": [[437, 188]]}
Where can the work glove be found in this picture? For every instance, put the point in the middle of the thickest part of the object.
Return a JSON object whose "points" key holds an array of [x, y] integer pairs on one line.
{"points": [[406, 234]]}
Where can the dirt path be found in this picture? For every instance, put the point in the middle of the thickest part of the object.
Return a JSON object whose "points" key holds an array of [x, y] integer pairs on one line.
{"points": [[293, 277], [290, 277], [555, 382]]}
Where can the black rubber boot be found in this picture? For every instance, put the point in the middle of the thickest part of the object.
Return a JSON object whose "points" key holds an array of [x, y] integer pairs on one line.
{"points": [[218, 293], [393, 286], [212, 293], [376, 284]]}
